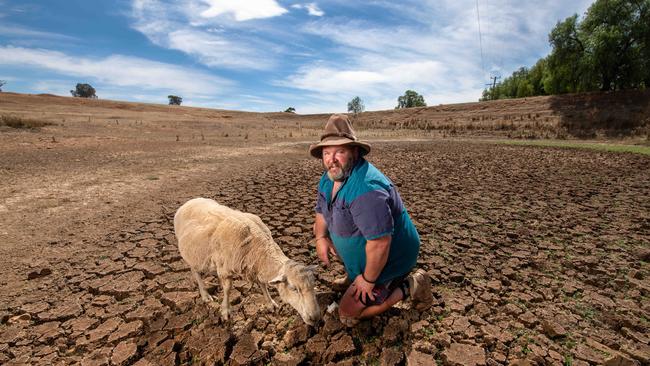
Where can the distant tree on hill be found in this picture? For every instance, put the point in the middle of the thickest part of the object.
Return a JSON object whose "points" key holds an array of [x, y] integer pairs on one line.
{"points": [[2, 83], [84, 91], [175, 100], [410, 99], [356, 105], [290, 110]]}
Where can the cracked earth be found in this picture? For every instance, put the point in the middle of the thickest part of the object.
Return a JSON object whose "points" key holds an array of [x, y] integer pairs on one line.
{"points": [[537, 255]]}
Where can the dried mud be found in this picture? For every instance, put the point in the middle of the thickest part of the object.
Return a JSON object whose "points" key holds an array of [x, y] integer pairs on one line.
{"points": [[537, 255]]}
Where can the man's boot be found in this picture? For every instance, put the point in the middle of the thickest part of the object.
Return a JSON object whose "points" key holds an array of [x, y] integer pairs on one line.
{"points": [[420, 290]]}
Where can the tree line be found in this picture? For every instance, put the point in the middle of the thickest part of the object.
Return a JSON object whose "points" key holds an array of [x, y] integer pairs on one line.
{"points": [[609, 49]]}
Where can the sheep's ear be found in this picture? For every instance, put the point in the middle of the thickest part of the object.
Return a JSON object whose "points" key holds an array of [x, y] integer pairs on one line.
{"points": [[279, 279], [312, 268]]}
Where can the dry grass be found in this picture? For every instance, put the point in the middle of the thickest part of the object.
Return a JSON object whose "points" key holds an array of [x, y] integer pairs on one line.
{"points": [[617, 148], [18, 122]]}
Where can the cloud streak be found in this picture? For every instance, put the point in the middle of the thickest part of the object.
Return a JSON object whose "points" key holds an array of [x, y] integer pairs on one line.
{"points": [[118, 70], [12, 30], [244, 10], [171, 27], [312, 9]]}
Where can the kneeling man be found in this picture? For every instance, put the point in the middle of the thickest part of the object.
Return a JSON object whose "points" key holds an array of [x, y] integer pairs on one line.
{"points": [[360, 218]]}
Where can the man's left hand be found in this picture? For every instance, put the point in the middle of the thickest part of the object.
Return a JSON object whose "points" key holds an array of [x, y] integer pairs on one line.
{"points": [[362, 289]]}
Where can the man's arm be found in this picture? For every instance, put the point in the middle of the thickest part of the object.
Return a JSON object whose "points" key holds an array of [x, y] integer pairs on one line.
{"points": [[323, 242], [377, 251]]}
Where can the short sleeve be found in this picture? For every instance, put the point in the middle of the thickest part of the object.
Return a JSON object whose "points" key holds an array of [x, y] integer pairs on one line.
{"points": [[372, 214], [320, 202]]}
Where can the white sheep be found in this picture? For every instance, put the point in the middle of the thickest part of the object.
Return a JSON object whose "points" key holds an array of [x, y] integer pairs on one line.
{"points": [[213, 237]]}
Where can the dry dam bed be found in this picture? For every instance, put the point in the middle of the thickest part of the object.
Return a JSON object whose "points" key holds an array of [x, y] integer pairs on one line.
{"points": [[538, 256]]}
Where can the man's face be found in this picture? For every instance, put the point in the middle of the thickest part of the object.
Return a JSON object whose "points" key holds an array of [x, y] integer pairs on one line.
{"points": [[338, 161]]}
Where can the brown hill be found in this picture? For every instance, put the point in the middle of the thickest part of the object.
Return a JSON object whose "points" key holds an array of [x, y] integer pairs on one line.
{"points": [[590, 115], [579, 115]]}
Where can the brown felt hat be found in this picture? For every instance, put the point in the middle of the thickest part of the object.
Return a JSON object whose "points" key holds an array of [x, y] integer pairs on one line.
{"points": [[338, 131]]}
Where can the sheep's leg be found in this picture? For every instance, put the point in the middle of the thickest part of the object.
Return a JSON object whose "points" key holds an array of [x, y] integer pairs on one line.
{"points": [[265, 291], [204, 294], [226, 284]]}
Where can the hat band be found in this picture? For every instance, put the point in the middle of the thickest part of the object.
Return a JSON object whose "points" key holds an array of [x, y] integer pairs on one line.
{"points": [[338, 134]]}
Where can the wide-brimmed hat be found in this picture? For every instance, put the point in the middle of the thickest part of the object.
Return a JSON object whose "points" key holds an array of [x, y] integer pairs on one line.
{"points": [[338, 131]]}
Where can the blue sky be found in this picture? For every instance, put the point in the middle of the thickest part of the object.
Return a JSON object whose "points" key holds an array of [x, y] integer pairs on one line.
{"points": [[267, 55]]}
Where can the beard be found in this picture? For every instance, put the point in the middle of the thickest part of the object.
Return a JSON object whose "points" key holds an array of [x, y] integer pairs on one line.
{"points": [[339, 173]]}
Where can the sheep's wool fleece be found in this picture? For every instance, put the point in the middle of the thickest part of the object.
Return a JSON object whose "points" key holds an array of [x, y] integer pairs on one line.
{"points": [[212, 236]]}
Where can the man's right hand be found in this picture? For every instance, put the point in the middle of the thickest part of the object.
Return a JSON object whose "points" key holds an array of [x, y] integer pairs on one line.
{"points": [[325, 247]]}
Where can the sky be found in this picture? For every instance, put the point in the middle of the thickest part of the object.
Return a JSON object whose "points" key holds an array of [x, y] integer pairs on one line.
{"points": [[268, 55]]}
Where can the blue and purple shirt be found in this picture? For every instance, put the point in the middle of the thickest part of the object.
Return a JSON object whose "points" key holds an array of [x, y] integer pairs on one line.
{"points": [[366, 207]]}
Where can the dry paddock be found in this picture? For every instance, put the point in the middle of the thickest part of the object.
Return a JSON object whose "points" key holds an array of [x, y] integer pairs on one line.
{"points": [[537, 255]]}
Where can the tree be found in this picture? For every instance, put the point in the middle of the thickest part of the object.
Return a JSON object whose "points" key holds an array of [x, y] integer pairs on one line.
{"points": [[410, 99], [2, 83], [356, 105], [566, 63], [83, 91], [175, 100], [615, 34], [290, 110]]}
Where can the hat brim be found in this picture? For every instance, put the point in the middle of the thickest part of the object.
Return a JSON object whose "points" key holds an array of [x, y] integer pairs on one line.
{"points": [[317, 149]]}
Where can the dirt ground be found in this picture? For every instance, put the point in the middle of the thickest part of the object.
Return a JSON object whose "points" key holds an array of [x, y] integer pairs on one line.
{"points": [[537, 255]]}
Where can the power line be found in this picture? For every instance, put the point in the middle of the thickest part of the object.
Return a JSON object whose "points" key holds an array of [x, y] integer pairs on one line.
{"points": [[480, 37], [488, 44]]}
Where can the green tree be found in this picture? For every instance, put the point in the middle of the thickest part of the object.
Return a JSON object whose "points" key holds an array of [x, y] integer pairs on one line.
{"points": [[410, 99], [566, 69], [616, 39], [290, 110], [175, 100], [536, 77], [84, 91], [356, 105]]}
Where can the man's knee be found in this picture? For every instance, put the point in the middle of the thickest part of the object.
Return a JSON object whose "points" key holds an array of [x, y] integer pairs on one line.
{"points": [[349, 312], [349, 308]]}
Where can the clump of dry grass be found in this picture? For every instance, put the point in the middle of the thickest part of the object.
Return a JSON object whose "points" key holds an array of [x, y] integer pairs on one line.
{"points": [[17, 122]]}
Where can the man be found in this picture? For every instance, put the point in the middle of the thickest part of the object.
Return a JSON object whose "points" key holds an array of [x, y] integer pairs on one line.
{"points": [[361, 219]]}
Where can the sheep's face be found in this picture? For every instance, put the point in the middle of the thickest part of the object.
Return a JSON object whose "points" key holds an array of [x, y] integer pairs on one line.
{"points": [[296, 287]]}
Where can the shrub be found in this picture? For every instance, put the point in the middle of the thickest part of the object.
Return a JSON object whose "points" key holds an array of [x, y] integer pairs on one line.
{"points": [[17, 122]]}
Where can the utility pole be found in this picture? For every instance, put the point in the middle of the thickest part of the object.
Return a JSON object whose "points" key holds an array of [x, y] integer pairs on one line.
{"points": [[494, 82]]}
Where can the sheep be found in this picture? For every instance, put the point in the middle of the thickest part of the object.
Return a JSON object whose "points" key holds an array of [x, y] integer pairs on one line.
{"points": [[214, 237]]}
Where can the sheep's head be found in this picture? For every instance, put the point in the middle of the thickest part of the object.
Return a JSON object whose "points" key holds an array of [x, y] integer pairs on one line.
{"points": [[296, 286]]}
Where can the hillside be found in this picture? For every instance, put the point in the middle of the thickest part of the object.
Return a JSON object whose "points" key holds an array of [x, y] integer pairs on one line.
{"points": [[590, 115]]}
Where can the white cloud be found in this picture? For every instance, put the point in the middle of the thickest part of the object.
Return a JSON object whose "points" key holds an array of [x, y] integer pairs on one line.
{"points": [[312, 9], [18, 31], [217, 51], [243, 10], [212, 46], [391, 75], [118, 70], [51, 86]]}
